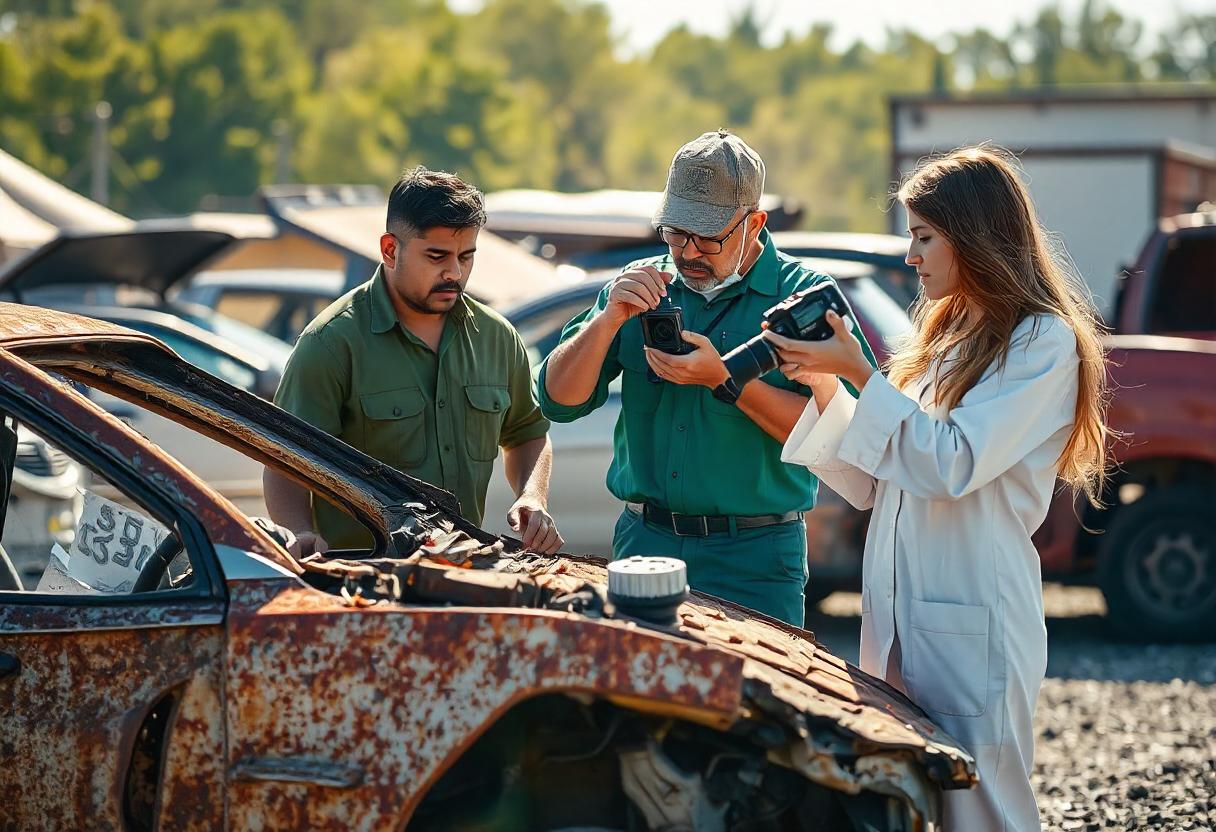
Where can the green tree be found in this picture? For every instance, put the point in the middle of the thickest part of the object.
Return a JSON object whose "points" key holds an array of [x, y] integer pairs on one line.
{"points": [[520, 93], [563, 50], [223, 85], [391, 100], [56, 71], [1187, 51]]}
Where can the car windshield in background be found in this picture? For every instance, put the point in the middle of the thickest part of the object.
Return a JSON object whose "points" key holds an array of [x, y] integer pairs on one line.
{"points": [[199, 354], [275, 351]]}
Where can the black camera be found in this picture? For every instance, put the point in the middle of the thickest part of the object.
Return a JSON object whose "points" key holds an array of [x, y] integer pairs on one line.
{"points": [[661, 329], [801, 316]]}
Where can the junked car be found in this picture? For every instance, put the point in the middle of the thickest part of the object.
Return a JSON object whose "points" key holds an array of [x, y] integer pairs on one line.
{"points": [[441, 679]]}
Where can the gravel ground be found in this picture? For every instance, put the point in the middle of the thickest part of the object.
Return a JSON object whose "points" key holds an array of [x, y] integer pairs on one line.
{"points": [[1126, 732]]}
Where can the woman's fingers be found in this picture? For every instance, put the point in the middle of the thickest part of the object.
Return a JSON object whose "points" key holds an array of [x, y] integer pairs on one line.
{"points": [[839, 325], [780, 341]]}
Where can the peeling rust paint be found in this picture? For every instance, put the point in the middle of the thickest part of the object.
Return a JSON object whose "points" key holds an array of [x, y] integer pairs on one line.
{"points": [[193, 775], [401, 692], [71, 715]]}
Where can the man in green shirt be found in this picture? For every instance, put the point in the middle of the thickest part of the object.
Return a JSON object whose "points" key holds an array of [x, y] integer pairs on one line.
{"points": [[410, 370], [697, 461]]}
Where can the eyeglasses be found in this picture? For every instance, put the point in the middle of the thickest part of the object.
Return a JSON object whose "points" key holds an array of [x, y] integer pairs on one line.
{"points": [[706, 245]]}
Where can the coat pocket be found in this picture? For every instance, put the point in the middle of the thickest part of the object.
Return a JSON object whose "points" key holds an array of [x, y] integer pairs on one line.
{"points": [[947, 657], [488, 406], [395, 426]]}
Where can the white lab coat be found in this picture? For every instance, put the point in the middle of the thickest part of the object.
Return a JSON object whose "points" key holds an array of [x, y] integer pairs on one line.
{"points": [[952, 599]]}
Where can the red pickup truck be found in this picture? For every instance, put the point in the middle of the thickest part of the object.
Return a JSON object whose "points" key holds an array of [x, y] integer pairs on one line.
{"points": [[1152, 547]]}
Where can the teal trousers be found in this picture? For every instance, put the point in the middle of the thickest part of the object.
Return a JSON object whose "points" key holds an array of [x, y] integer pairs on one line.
{"points": [[763, 568]]}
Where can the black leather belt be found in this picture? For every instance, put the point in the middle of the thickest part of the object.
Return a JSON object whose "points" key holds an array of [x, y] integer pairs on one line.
{"points": [[701, 525]]}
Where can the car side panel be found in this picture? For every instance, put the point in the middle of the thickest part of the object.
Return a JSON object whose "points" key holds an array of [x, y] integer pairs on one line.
{"points": [[73, 712], [342, 717]]}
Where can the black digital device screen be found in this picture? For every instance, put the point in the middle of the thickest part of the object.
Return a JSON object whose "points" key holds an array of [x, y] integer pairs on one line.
{"points": [[808, 313]]}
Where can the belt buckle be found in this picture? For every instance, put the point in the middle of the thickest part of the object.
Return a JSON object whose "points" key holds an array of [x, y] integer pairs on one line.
{"points": [[701, 529]]}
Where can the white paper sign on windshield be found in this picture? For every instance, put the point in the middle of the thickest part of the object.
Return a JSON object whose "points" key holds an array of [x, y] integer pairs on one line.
{"points": [[112, 545]]}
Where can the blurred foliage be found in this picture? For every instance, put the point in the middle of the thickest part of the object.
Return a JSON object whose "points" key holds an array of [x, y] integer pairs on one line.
{"points": [[216, 97]]}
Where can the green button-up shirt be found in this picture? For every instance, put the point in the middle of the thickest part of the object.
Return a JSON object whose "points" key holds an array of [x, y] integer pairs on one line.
{"points": [[360, 375], [676, 445]]}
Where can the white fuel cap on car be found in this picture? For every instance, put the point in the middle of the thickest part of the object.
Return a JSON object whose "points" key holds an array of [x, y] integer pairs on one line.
{"points": [[648, 587]]}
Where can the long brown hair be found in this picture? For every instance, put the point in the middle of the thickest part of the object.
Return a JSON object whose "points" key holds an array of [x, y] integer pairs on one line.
{"points": [[1007, 271]]}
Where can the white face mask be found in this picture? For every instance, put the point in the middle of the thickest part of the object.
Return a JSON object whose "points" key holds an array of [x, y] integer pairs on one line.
{"points": [[731, 279], [710, 294]]}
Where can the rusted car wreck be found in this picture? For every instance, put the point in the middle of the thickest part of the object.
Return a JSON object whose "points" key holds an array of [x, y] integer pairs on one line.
{"points": [[444, 679]]}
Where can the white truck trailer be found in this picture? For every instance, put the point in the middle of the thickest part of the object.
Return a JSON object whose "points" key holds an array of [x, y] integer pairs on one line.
{"points": [[1102, 168]]}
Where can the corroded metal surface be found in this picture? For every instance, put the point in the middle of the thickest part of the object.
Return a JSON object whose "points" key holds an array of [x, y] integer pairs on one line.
{"points": [[805, 675], [793, 677], [192, 781], [61, 618], [72, 713], [399, 692], [22, 324]]}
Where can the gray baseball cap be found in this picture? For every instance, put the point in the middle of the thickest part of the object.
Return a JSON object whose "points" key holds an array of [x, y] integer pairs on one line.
{"points": [[710, 179]]}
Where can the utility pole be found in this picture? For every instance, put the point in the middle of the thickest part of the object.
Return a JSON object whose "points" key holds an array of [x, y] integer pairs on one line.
{"points": [[282, 151], [101, 152]]}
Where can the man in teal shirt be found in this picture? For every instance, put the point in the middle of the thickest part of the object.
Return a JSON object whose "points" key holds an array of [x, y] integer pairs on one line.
{"points": [[696, 461]]}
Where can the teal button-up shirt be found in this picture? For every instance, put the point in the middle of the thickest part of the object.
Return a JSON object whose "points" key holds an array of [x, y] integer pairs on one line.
{"points": [[676, 445]]}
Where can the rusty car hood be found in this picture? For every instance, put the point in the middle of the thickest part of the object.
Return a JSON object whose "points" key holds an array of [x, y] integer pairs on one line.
{"points": [[767, 666]]}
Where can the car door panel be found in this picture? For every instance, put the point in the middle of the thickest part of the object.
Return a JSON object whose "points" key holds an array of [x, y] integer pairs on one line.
{"points": [[89, 676]]}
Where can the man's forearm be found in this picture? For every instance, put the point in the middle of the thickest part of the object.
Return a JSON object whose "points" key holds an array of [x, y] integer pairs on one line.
{"points": [[287, 502], [527, 468], [774, 410], [574, 366]]}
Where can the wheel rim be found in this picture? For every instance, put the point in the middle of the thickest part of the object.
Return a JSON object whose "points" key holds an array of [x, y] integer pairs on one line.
{"points": [[1172, 567]]}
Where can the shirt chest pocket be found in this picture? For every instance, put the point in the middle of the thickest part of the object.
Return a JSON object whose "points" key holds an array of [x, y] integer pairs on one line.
{"points": [[487, 408], [638, 392], [395, 426]]}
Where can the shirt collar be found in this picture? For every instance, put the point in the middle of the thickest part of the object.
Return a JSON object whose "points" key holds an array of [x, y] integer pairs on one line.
{"points": [[384, 316], [762, 277]]}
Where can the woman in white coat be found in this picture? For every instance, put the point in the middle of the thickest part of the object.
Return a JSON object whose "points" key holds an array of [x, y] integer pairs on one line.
{"points": [[999, 390]]}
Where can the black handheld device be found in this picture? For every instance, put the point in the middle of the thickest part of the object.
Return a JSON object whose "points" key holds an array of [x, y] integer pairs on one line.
{"points": [[801, 316], [661, 328]]}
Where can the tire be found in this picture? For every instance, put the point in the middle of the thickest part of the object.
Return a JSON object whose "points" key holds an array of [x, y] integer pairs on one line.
{"points": [[1157, 566]]}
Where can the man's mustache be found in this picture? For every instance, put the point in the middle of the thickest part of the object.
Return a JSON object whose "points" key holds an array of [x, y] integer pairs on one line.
{"points": [[447, 287], [694, 265]]}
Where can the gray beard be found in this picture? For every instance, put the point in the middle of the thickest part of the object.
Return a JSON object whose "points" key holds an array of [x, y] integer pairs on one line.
{"points": [[702, 284]]}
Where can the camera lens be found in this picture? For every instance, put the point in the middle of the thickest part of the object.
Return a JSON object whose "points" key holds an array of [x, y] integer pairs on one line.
{"points": [[664, 331], [750, 360]]}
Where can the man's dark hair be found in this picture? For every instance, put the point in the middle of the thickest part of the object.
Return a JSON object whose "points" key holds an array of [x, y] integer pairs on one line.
{"points": [[424, 199]]}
